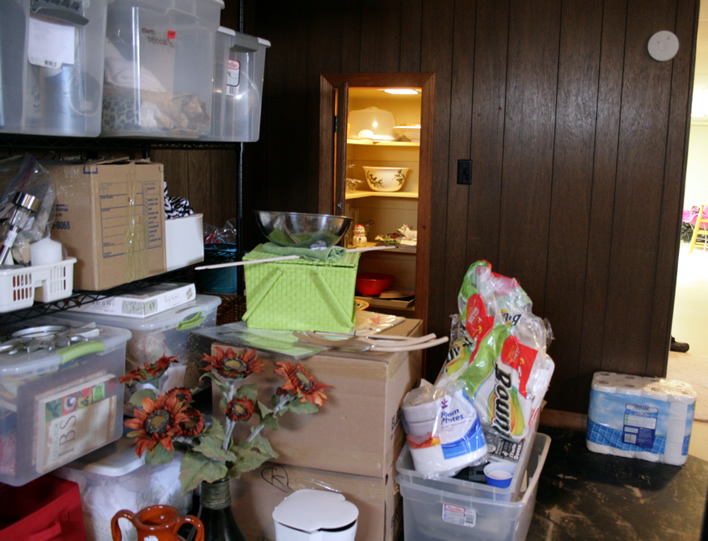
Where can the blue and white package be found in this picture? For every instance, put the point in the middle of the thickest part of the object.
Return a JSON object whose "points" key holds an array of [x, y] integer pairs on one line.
{"points": [[443, 430], [640, 417]]}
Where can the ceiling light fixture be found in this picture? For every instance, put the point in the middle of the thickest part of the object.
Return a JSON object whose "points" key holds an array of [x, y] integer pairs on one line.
{"points": [[410, 91]]}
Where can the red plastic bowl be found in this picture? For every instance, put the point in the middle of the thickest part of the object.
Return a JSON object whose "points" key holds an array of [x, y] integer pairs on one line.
{"points": [[371, 284]]}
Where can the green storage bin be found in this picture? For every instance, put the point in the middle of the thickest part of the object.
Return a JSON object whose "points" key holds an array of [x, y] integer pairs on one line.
{"points": [[300, 294]]}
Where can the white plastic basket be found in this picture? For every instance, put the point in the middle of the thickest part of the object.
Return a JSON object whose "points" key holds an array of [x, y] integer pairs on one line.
{"points": [[53, 282]]}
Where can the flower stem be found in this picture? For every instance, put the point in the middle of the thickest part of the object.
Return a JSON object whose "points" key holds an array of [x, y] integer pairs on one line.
{"points": [[282, 404]]}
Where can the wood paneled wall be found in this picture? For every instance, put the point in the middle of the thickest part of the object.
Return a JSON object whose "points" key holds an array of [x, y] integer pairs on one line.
{"points": [[577, 136]]}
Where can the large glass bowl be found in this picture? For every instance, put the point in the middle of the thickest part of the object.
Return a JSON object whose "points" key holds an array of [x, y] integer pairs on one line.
{"points": [[302, 230]]}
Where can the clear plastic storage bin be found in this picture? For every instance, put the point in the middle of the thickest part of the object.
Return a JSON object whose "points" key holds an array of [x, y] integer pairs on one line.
{"points": [[58, 402], [159, 62], [449, 508], [166, 333], [51, 67], [239, 65]]}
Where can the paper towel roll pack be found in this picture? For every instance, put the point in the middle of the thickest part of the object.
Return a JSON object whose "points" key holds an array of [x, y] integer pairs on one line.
{"points": [[640, 417]]}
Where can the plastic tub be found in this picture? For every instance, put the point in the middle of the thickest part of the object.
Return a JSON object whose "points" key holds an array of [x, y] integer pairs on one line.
{"points": [[166, 333], [58, 405], [239, 65], [450, 508], [51, 67], [159, 66]]}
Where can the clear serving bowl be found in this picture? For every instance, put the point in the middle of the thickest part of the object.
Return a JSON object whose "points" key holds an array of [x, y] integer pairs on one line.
{"points": [[302, 230]]}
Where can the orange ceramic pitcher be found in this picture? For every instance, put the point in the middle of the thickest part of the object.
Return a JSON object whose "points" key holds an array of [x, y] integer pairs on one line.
{"points": [[156, 523]]}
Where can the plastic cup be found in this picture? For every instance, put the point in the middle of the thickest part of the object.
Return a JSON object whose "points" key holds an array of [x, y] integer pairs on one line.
{"points": [[499, 474]]}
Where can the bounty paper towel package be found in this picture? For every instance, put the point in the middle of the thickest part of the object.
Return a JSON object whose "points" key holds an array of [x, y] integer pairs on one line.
{"points": [[640, 417]]}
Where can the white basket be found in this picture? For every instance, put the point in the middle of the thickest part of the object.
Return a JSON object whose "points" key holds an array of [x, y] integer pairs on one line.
{"points": [[17, 286]]}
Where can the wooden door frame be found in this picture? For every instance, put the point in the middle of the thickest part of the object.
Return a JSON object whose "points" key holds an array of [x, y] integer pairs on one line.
{"points": [[329, 84]]}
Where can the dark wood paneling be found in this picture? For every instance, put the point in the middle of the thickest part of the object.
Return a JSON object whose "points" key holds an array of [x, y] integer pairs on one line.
{"points": [[594, 301], [460, 145], [488, 106], [638, 192], [381, 36], [571, 193], [436, 57], [534, 32]]}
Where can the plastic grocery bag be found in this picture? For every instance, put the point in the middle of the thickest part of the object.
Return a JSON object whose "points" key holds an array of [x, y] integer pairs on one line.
{"points": [[499, 351]]}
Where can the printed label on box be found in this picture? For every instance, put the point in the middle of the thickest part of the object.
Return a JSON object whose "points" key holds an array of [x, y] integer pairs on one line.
{"points": [[640, 425], [130, 222], [76, 421]]}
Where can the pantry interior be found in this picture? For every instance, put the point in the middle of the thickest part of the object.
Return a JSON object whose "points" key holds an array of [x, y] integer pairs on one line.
{"points": [[401, 142]]}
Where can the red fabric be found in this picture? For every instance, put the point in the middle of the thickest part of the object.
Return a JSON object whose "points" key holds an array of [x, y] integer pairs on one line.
{"points": [[48, 508]]}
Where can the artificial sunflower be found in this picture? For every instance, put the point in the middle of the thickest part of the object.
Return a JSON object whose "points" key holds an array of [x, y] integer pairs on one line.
{"points": [[157, 423], [149, 371], [299, 383], [194, 425], [240, 410], [232, 364], [182, 394]]}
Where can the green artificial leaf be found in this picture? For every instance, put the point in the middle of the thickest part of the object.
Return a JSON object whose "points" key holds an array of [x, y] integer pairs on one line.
{"points": [[197, 468], [247, 391], [215, 429], [136, 398], [270, 422], [158, 455], [210, 447], [302, 408], [251, 455]]}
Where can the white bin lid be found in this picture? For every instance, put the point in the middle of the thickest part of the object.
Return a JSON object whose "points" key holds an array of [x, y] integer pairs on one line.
{"points": [[312, 510]]}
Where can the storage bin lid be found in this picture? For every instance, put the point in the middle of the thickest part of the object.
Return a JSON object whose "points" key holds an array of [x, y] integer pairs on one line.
{"points": [[113, 460], [22, 364], [313, 510]]}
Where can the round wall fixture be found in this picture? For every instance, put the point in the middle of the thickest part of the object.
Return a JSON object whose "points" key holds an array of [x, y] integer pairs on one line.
{"points": [[663, 46]]}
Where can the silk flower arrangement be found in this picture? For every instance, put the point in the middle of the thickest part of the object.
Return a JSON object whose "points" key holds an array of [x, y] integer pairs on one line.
{"points": [[168, 422]]}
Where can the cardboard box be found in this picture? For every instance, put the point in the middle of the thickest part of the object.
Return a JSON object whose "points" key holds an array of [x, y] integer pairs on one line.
{"points": [[143, 303], [110, 216], [257, 493], [358, 431]]}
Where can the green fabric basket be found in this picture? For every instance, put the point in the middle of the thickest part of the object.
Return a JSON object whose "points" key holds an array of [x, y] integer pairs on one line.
{"points": [[300, 294]]}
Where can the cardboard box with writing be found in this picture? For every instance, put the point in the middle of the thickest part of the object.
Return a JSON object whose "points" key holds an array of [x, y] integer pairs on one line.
{"points": [[257, 493], [110, 216], [358, 430]]}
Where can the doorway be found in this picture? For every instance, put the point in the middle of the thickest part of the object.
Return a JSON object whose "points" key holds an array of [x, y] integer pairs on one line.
{"points": [[397, 141]]}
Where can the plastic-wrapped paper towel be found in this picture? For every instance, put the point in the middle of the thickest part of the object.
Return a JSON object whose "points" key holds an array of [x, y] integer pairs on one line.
{"points": [[442, 429], [640, 417]]}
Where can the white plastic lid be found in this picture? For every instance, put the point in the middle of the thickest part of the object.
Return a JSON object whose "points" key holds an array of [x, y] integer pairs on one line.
{"points": [[227, 31], [312, 510], [113, 460]]}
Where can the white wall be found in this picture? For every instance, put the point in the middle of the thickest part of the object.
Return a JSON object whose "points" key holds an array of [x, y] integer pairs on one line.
{"points": [[697, 167]]}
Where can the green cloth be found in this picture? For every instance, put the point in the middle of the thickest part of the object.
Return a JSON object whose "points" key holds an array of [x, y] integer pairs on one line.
{"points": [[332, 253]]}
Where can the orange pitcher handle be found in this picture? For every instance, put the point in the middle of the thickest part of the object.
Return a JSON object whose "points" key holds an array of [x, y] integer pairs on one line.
{"points": [[115, 528], [194, 521]]}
